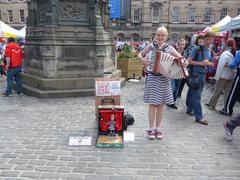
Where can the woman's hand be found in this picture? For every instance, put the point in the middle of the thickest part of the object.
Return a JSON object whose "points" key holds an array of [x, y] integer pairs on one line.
{"points": [[184, 62], [145, 62]]}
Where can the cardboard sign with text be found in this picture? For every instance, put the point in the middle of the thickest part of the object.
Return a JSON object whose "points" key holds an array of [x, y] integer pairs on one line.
{"points": [[107, 91]]}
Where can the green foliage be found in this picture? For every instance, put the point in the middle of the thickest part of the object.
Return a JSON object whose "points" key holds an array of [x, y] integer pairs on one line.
{"points": [[127, 53]]}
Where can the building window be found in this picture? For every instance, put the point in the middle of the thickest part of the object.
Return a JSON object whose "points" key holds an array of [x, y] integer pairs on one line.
{"points": [[10, 16], [0, 15], [155, 14], [176, 13], [136, 15], [20, 0], [191, 15], [224, 12], [9, 1], [22, 16], [207, 15], [238, 11]]}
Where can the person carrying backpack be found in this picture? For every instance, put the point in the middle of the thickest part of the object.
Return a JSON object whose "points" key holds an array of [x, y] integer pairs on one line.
{"points": [[199, 60], [13, 57]]}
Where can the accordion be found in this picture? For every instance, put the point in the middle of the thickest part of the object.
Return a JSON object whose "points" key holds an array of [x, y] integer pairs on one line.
{"points": [[167, 65]]}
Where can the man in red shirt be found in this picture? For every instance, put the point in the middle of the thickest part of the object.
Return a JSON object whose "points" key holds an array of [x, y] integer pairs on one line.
{"points": [[13, 57]]}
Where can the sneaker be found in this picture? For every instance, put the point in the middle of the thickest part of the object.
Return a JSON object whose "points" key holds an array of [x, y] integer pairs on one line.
{"points": [[190, 113], [172, 106], [6, 95], [227, 132], [202, 121], [151, 134], [158, 134], [19, 93], [210, 106], [224, 112]]}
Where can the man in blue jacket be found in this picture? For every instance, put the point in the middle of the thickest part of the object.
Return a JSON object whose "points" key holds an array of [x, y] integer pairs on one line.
{"points": [[233, 96]]}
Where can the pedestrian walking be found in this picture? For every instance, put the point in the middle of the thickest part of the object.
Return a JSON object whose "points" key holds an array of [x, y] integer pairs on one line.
{"points": [[187, 51], [13, 56], [199, 60], [234, 94], [158, 91], [224, 75]]}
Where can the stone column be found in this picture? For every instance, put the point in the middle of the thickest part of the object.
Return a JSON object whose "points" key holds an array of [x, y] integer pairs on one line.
{"points": [[67, 48]]}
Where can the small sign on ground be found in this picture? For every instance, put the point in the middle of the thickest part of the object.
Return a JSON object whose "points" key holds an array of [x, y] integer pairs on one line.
{"points": [[80, 141], [128, 136]]}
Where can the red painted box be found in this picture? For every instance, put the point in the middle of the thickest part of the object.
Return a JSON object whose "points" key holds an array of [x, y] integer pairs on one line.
{"points": [[105, 114]]}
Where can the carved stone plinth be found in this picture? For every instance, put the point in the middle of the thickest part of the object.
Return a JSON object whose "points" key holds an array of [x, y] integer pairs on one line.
{"points": [[69, 44]]}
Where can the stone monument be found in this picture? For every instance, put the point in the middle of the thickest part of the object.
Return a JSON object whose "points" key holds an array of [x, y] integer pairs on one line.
{"points": [[69, 44]]}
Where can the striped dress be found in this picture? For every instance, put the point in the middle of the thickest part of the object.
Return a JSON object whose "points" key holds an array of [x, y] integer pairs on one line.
{"points": [[158, 89]]}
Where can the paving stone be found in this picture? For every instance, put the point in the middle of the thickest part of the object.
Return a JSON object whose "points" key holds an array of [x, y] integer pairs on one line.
{"points": [[73, 176], [50, 175], [10, 173], [30, 174]]}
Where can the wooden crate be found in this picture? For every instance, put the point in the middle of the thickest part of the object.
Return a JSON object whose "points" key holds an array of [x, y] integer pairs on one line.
{"points": [[130, 69]]}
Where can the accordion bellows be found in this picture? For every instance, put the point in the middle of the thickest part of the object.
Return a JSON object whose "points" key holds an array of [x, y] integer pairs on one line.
{"points": [[167, 65]]}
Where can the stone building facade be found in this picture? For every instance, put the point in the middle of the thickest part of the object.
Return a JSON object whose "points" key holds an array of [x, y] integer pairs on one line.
{"points": [[14, 12], [179, 16]]}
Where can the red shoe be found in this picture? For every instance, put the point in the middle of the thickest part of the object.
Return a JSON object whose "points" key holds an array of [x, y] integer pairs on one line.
{"points": [[151, 134], [158, 134]]}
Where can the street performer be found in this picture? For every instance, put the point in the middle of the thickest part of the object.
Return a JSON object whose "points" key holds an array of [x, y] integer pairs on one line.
{"points": [[158, 91]]}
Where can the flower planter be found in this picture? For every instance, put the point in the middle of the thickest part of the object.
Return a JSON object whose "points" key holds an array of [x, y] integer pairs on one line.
{"points": [[130, 68]]}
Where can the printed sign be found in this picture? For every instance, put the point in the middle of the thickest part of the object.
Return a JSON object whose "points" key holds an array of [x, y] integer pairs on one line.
{"points": [[108, 88]]}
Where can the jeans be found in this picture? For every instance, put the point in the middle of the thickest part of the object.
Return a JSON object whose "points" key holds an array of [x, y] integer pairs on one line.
{"points": [[181, 86], [175, 83], [193, 100], [14, 73]]}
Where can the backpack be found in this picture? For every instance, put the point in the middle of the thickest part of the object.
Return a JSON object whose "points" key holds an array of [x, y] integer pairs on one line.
{"points": [[188, 50], [15, 54]]}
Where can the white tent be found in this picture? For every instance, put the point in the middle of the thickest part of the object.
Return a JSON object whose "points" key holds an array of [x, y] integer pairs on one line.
{"points": [[7, 31], [222, 26], [235, 23], [206, 29], [23, 31]]}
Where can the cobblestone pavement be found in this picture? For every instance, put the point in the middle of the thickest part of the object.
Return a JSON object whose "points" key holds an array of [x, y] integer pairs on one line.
{"points": [[34, 135]]}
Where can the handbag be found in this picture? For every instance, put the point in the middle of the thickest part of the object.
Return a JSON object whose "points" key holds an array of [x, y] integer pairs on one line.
{"points": [[193, 82]]}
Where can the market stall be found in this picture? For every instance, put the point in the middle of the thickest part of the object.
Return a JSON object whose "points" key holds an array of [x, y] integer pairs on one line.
{"points": [[7, 31]]}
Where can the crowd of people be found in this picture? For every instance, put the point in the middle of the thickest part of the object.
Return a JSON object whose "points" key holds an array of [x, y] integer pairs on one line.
{"points": [[202, 65]]}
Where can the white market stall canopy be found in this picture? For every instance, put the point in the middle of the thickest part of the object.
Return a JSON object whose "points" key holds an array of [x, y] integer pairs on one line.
{"points": [[7, 31], [222, 26], [235, 23]]}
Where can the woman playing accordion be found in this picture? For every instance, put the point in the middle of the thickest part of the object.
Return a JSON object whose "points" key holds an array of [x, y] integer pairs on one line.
{"points": [[158, 91]]}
